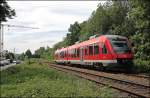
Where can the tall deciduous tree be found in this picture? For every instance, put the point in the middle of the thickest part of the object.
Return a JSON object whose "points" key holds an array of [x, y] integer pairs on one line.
{"points": [[75, 31], [139, 14]]}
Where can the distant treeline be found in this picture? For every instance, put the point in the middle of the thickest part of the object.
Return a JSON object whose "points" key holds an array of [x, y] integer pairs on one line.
{"points": [[42, 52]]}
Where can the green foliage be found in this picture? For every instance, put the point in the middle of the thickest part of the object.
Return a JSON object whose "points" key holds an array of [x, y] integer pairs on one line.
{"points": [[139, 15], [142, 65], [42, 52], [10, 56], [41, 81], [28, 53], [5, 11], [21, 56], [73, 37]]}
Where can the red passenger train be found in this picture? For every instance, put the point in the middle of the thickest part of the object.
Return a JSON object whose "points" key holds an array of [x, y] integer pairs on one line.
{"points": [[101, 51]]}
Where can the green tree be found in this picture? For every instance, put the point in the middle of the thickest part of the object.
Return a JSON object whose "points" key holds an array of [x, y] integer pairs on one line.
{"points": [[5, 11], [140, 16], [40, 51], [74, 35], [10, 56], [21, 56], [28, 53]]}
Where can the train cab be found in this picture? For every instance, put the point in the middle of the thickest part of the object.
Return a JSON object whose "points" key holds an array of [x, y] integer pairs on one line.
{"points": [[121, 47]]}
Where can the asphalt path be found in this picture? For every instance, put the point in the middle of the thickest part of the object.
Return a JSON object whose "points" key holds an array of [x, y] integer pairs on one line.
{"points": [[7, 66]]}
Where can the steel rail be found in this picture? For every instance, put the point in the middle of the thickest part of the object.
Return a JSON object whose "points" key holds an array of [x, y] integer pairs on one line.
{"points": [[97, 74], [140, 76]]}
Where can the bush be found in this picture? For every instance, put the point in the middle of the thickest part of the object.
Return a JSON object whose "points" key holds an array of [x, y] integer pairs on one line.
{"points": [[36, 80], [142, 65]]}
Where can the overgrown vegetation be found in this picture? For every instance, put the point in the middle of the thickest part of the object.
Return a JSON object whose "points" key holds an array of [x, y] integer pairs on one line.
{"points": [[38, 80], [142, 65]]}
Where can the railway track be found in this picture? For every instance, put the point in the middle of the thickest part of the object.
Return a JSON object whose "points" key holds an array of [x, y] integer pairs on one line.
{"points": [[130, 85], [140, 76]]}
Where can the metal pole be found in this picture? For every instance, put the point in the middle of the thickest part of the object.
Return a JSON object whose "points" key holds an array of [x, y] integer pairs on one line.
{"points": [[14, 54], [0, 42]]}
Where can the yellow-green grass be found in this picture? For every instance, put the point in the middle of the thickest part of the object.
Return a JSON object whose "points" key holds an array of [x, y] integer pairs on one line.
{"points": [[38, 80]]}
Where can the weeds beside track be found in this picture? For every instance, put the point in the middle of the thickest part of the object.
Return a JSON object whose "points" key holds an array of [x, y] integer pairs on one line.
{"points": [[132, 86]]}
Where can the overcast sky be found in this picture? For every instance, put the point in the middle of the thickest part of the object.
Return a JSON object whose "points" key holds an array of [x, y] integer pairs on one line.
{"points": [[53, 19]]}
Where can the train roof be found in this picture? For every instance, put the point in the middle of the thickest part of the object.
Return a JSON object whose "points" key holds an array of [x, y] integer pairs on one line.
{"points": [[62, 49], [101, 38], [88, 42], [114, 36]]}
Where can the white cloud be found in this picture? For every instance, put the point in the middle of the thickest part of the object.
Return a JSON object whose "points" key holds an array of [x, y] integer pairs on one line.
{"points": [[52, 17]]}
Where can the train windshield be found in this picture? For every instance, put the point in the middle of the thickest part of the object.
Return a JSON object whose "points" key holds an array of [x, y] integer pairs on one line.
{"points": [[120, 45]]}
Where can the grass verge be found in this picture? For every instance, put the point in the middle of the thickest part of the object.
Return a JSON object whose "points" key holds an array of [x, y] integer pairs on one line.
{"points": [[37, 80]]}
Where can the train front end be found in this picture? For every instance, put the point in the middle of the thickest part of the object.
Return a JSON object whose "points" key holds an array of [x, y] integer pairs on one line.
{"points": [[121, 51]]}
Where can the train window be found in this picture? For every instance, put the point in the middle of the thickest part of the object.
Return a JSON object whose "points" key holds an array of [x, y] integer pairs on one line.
{"points": [[104, 50], [96, 49], [74, 53], [69, 53], [78, 52], [62, 54], [65, 53], [90, 50], [86, 50]]}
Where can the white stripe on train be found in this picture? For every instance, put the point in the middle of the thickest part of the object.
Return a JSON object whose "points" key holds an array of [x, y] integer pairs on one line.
{"points": [[89, 62]]}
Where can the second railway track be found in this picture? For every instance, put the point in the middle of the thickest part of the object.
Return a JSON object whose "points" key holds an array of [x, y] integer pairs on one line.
{"points": [[133, 87]]}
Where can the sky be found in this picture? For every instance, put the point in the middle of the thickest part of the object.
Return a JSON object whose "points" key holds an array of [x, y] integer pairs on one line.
{"points": [[52, 18]]}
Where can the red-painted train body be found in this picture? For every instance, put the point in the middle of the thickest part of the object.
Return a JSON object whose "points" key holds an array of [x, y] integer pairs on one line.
{"points": [[103, 50]]}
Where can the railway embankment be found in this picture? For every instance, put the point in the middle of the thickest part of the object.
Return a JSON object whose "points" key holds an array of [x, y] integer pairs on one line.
{"points": [[137, 85], [39, 80]]}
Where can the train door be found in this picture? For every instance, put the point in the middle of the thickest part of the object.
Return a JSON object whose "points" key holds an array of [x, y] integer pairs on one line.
{"points": [[106, 55], [96, 52], [81, 53], [104, 52]]}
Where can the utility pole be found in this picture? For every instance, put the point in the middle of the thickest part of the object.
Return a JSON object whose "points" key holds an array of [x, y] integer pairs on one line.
{"points": [[2, 35], [1, 41], [14, 54]]}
